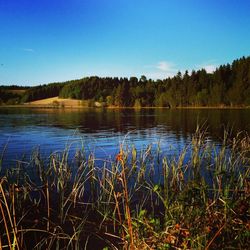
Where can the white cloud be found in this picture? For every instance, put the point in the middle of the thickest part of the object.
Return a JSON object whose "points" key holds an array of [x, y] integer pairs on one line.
{"points": [[210, 68], [161, 70], [158, 75], [28, 50], [166, 66], [165, 69]]}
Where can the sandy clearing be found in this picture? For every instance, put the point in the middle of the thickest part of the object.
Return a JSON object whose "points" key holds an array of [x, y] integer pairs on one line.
{"points": [[56, 101]]}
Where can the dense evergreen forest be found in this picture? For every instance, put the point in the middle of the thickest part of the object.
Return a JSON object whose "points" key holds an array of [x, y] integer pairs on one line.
{"points": [[229, 85], [12, 94]]}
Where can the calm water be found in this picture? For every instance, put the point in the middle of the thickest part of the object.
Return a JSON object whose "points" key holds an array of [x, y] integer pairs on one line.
{"points": [[102, 131]]}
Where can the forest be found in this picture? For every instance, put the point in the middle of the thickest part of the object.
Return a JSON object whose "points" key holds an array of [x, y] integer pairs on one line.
{"points": [[228, 85]]}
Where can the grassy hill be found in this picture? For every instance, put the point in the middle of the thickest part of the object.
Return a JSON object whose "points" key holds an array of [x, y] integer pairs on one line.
{"points": [[58, 102]]}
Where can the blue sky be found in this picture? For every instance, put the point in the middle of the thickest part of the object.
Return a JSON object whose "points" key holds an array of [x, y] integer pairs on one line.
{"points": [[56, 40]]}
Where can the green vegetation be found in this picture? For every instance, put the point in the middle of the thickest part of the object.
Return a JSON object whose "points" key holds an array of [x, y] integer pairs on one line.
{"points": [[198, 199], [229, 85], [42, 92], [11, 94]]}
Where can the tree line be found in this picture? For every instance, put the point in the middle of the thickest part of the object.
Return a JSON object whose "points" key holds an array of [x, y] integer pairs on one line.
{"points": [[11, 94], [229, 85]]}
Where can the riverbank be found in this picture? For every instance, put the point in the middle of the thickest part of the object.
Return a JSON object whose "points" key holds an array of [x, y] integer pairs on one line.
{"points": [[56, 102], [79, 105], [200, 200]]}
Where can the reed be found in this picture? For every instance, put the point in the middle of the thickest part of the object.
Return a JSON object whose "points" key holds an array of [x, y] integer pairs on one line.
{"points": [[197, 199]]}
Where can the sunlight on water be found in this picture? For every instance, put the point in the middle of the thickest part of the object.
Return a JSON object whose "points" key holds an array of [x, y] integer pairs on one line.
{"points": [[102, 131]]}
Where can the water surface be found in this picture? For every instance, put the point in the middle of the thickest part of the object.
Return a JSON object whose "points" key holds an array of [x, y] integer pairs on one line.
{"points": [[102, 131]]}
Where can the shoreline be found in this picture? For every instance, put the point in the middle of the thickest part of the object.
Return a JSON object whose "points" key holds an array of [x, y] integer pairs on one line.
{"points": [[37, 106], [184, 196]]}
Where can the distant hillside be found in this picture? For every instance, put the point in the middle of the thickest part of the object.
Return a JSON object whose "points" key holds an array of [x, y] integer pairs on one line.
{"points": [[58, 102], [11, 94], [229, 85], [42, 92]]}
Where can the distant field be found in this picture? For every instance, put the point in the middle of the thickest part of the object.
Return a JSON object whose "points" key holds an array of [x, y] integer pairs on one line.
{"points": [[56, 101]]}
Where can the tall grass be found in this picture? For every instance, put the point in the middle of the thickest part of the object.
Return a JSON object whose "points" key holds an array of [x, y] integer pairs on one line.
{"points": [[198, 199]]}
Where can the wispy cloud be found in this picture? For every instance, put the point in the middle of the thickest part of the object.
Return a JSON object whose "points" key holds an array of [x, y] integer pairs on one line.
{"points": [[164, 69], [28, 50], [209, 66], [166, 66], [161, 70], [157, 75]]}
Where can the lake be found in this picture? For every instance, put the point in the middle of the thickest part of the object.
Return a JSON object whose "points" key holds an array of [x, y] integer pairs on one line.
{"points": [[101, 131], [82, 195]]}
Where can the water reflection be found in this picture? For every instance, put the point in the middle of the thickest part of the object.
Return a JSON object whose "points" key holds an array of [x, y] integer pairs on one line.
{"points": [[103, 130]]}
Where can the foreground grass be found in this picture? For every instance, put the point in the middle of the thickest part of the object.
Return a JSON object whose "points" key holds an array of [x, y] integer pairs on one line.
{"points": [[139, 200]]}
